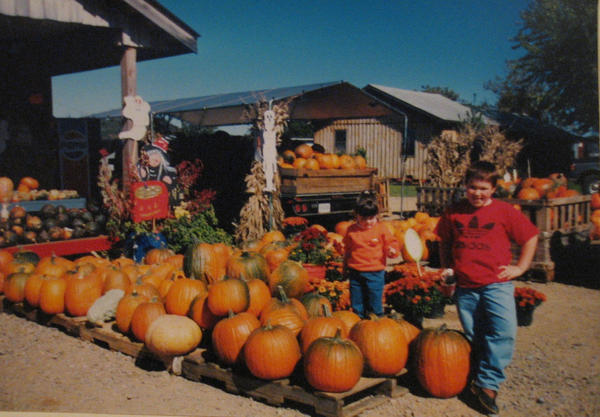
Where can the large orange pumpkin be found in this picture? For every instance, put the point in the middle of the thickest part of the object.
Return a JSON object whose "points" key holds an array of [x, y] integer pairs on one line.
{"points": [[283, 352], [291, 276], [84, 287], [143, 316], [201, 314], [182, 293], [442, 361], [228, 295], [260, 295], [125, 309], [383, 345], [52, 295], [230, 334], [333, 364], [203, 262], [324, 326]]}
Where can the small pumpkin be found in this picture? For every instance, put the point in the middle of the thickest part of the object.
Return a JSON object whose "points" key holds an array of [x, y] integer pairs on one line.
{"points": [[125, 310], [283, 352], [52, 295], [157, 256], [201, 314], [333, 364]]}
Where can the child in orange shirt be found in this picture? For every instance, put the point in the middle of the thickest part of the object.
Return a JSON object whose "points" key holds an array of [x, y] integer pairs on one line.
{"points": [[367, 244]]}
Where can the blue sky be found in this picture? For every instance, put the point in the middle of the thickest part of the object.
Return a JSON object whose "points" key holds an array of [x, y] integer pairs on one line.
{"points": [[246, 45]]}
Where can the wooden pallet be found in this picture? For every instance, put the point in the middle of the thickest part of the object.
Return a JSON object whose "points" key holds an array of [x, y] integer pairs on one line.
{"points": [[70, 325], [366, 394]]}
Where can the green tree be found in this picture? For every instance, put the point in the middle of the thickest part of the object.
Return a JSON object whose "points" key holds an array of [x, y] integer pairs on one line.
{"points": [[556, 80], [445, 91]]}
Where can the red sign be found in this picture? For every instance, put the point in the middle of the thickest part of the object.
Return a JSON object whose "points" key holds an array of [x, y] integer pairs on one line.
{"points": [[150, 200]]}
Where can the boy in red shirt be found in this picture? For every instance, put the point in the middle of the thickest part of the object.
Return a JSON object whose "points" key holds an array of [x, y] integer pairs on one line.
{"points": [[367, 245], [476, 238]]}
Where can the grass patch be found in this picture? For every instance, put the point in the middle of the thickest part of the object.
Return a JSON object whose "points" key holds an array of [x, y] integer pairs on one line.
{"points": [[396, 190]]}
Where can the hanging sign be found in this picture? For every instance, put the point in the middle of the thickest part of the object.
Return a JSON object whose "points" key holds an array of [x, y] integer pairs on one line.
{"points": [[150, 200]]}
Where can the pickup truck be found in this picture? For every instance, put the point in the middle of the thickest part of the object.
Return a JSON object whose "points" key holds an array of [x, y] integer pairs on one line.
{"points": [[306, 192]]}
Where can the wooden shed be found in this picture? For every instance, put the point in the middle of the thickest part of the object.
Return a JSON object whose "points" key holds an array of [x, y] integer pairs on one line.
{"points": [[44, 38]]}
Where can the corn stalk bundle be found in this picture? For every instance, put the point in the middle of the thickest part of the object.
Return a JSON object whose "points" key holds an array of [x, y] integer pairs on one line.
{"points": [[449, 156], [499, 150], [258, 213]]}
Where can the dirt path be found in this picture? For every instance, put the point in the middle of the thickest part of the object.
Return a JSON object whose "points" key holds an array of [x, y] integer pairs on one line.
{"points": [[555, 372]]}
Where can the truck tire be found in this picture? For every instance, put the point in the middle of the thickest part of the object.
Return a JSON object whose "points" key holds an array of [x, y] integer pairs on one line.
{"points": [[591, 183]]}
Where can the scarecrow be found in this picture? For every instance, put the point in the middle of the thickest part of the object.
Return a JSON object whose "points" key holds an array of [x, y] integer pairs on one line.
{"points": [[154, 163]]}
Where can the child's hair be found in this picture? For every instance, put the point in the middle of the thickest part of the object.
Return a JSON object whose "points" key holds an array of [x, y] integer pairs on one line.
{"points": [[483, 171], [366, 204]]}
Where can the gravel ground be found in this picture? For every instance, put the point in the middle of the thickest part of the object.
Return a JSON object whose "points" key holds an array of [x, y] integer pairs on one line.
{"points": [[555, 372]]}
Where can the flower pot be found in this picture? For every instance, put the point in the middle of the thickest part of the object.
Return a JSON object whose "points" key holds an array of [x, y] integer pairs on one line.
{"points": [[525, 316], [437, 311], [315, 272]]}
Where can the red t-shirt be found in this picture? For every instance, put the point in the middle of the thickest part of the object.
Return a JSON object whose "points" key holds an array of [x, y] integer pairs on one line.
{"points": [[366, 249], [481, 239]]}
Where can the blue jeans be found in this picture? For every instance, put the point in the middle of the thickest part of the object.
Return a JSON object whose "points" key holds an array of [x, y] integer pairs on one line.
{"points": [[489, 320], [366, 291]]}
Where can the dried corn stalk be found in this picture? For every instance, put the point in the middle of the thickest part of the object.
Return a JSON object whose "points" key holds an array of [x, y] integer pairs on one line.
{"points": [[259, 213], [499, 150], [448, 157]]}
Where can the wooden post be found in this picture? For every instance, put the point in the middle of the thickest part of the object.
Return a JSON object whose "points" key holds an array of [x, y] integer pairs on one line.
{"points": [[128, 88]]}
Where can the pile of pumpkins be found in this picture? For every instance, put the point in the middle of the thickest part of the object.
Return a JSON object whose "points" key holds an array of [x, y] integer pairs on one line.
{"points": [[51, 223], [305, 157], [249, 315], [28, 189], [534, 188]]}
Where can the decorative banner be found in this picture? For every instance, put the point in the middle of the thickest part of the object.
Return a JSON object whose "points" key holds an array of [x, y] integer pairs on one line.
{"points": [[150, 200]]}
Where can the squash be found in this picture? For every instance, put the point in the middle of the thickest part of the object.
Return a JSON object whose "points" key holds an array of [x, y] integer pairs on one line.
{"points": [[172, 335], [105, 308], [333, 364]]}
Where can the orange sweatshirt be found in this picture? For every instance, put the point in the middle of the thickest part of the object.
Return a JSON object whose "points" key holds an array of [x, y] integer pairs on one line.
{"points": [[367, 249]]}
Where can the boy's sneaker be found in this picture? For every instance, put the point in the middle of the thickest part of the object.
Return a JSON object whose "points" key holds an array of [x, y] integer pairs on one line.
{"points": [[487, 401]]}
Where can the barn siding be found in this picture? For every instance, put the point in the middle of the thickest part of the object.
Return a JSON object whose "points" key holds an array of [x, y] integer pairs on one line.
{"points": [[382, 140]]}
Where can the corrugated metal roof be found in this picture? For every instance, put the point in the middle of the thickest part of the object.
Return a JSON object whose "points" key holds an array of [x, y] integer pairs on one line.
{"points": [[223, 100], [432, 103]]}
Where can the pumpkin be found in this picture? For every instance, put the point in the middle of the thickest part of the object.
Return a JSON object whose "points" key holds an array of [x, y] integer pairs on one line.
{"points": [[360, 161], [282, 301], [248, 265], [146, 289], [299, 163], [33, 286], [383, 345], [6, 258], [203, 263], [125, 310], [83, 288], [14, 286], [6, 189], [176, 260], [272, 236], [201, 314], [157, 256], [30, 182], [442, 361], [260, 295], [116, 279], [315, 304], [347, 162], [321, 326], [291, 276], [122, 261], [228, 295], [143, 316], [284, 317], [325, 160], [283, 352], [172, 335], [53, 265], [528, 193], [275, 257], [289, 156], [543, 185], [595, 201], [311, 164], [333, 364], [52, 295], [158, 273], [349, 318], [182, 293], [304, 151], [230, 334]]}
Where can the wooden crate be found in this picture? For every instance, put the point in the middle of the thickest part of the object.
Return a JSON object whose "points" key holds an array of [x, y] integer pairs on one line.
{"points": [[557, 219], [70, 325], [368, 392], [305, 181]]}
